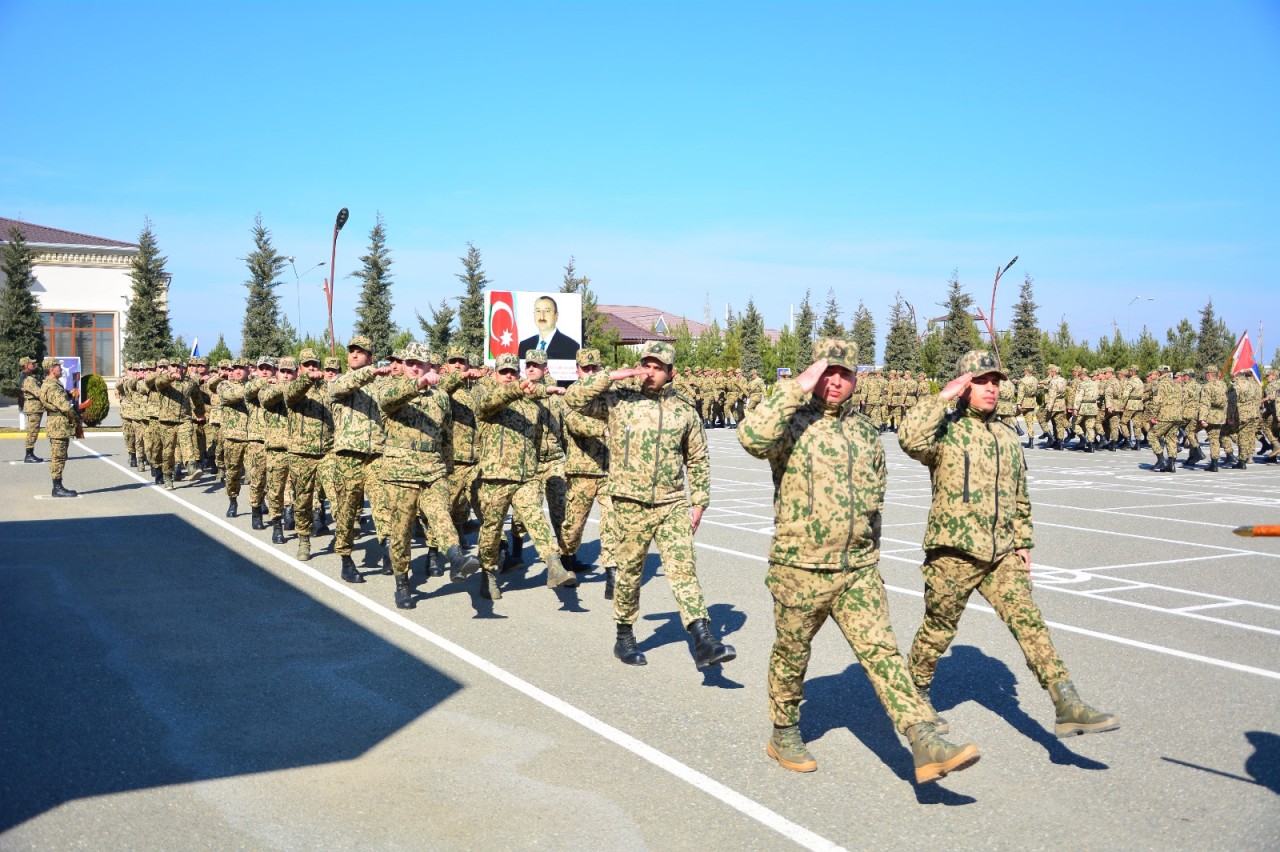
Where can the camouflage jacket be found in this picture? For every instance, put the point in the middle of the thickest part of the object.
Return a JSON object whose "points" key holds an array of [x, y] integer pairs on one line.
{"points": [[212, 408], [357, 420], [1166, 400], [31, 390], [175, 398], [584, 438], [1137, 392], [59, 408], [875, 390], [511, 426], [1055, 394], [1190, 400], [466, 448], [257, 423], [235, 408], [1086, 398], [828, 480], [1213, 403], [552, 448], [980, 501], [128, 401], [653, 440], [1007, 399], [1248, 398], [275, 416], [1112, 389], [417, 446], [310, 423], [1028, 387]]}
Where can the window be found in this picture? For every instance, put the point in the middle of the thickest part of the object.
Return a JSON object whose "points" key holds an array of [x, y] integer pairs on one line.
{"points": [[89, 337]]}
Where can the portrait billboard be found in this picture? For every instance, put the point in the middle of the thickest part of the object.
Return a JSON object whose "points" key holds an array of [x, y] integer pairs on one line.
{"points": [[519, 320]]}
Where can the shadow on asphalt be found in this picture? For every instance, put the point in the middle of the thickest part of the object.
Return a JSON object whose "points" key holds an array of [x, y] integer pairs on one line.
{"points": [[1262, 767], [139, 652]]}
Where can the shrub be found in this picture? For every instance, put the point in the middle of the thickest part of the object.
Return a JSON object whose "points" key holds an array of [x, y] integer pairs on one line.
{"points": [[93, 387]]}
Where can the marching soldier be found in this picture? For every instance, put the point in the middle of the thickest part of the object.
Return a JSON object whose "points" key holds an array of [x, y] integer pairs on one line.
{"points": [[128, 414], [31, 407], [1270, 421], [357, 443], [1191, 417], [1165, 413], [175, 403], [1027, 406], [310, 434], [1113, 399], [1055, 406], [459, 381], [276, 442], [586, 467], [654, 439], [60, 427], [1133, 408], [1213, 413], [1086, 403], [828, 462], [1249, 404]]}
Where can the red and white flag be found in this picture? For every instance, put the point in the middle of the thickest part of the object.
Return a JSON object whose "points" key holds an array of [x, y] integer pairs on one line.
{"points": [[1242, 358], [503, 336]]}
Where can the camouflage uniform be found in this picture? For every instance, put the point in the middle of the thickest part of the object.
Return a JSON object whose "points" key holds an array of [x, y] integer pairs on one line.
{"points": [[1249, 404], [654, 438], [1086, 404], [310, 438], [1027, 405], [31, 406], [873, 400], [128, 415], [979, 520], [755, 391], [235, 429], [1270, 422], [275, 433], [464, 480], [1133, 407], [175, 403], [1007, 403], [585, 467], [60, 422], [357, 443], [1213, 412], [829, 484], [1167, 413]]}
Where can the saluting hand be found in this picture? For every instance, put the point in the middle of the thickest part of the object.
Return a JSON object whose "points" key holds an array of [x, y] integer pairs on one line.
{"points": [[956, 386], [808, 380], [627, 373]]}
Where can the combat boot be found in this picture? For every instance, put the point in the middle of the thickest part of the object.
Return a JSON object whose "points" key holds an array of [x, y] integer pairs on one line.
{"points": [[435, 565], [232, 508], [1158, 467], [304, 548], [624, 648], [570, 561], [289, 521], [509, 560], [1190, 462], [489, 589], [788, 748], [384, 544], [404, 594], [461, 565], [179, 471], [59, 491], [1213, 465], [168, 483], [1088, 446], [610, 578], [707, 650], [133, 458], [940, 724], [349, 572], [1230, 461], [1076, 717], [319, 526], [1169, 466], [1241, 464], [256, 518], [557, 576], [277, 531], [196, 472], [157, 474], [934, 756]]}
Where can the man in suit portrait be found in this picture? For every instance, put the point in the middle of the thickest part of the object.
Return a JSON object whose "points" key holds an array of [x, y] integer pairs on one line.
{"points": [[549, 339]]}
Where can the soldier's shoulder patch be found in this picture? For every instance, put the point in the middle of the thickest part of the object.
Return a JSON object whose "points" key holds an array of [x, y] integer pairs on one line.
{"points": [[685, 397]]}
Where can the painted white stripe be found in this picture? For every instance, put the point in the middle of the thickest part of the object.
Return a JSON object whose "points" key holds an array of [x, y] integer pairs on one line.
{"points": [[1168, 561], [1198, 607], [748, 807]]}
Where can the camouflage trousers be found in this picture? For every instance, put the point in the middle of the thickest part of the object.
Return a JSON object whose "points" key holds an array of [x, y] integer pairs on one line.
{"points": [[875, 412], [403, 502], [464, 491], [152, 442], [188, 451], [525, 500], [556, 490], [255, 468], [57, 456], [130, 437], [352, 476], [302, 476], [233, 464], [1087, 426], [950, 577], [1111, 425], [1164, 438], [1131, 424], [1270, 431], [277, 478], [33, 428], [327, 484], [855, 600], [1028, 419], [1061, 425], [583, 491], [1246, 437], [633, 526], [213, 434], [1214, 431], [165, 436]]}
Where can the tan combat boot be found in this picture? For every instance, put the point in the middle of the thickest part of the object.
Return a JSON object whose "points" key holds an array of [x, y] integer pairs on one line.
{"points": [[558, 577], [787, 747], [940, 724], [935, 757], [304, 548], [1076, 717]]}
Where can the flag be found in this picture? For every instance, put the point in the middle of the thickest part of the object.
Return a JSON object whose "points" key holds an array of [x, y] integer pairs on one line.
{"points": [[503, 337], [195, 348], [1242, 358]]}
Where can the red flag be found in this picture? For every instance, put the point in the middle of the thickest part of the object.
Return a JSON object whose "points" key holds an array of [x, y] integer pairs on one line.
{"points": [[503, 337], [1242, 357]]}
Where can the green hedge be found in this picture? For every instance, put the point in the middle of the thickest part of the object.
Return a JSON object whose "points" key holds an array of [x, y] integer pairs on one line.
{"points": [[93, 387]]}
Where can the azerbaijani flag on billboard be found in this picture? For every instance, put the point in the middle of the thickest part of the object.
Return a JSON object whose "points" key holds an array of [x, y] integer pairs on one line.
{"points": [[503, 336]]}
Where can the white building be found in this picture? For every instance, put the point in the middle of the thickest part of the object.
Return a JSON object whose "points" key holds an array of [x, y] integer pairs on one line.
{"points": [[83, 286]]}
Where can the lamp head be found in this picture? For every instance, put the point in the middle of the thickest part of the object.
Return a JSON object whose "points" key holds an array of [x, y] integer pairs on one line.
{"points": [[342, 219]]}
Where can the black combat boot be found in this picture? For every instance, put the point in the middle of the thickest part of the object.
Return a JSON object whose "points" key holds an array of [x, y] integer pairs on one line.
{"points": [[289, 522], [624, 648], [1169, 466], [157, 474], [404, 594], [59, 491], [1241, 464], [1088, 446], [32, 458], [435, 565], [1190, 462], [570, 561], [256, 518], [385, 545], [707, 650], [1158, 467], [232, 508], [461, 565], [349, 572], [319, 526], [610, 578], [1213, 465], [133, 458], [277, 531]]}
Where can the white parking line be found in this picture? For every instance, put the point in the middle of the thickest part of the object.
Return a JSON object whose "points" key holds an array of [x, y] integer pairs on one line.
{"points": [[748, 807]]}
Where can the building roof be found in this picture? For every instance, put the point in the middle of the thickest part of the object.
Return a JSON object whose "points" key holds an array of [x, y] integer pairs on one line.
{"points": [[44, 236], [629, 333], [643, 318]]}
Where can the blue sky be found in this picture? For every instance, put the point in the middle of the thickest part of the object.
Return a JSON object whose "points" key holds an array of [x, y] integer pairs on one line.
{"points": [[682, 152]]}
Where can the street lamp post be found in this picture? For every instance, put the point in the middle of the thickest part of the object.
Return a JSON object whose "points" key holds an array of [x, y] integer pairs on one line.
{"points": [[332, 279], [297, 282], [1128, 327]]}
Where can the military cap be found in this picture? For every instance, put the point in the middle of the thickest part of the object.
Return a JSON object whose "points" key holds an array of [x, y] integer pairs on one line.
{"points": [[433, 357], [1211, 371], [287, 363], [591, 358], [49, 363], [396, 355], [163, 362], [332, 363], [308, 355], [224, 364], [416, 352], [507, 361], [979, 362], [535, 356], [475, 360], [664, 352], [198, 362], [1053, 367], [839, 353], [1163, 368], [146, 365], [266, 361], [360, 342], [457, 353], [24, 361]]}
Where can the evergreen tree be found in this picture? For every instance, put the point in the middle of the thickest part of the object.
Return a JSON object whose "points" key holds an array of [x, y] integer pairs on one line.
{"points": [[931, 355], [710, 346], [960, 334], [684, 345], [373, 313], [179, 350], [1215, 341], [1114, 351], [439, 330], [1148, 352], [260, 334], [751, 338], [831, 325], [1024, 350], [21, 331], [902, 344], [787, 351], [148, 335], [595, 332], [806, 325], [221, 352], [471, 308], [402, 338], [864, 334], [731, 353], [1180, 346]]}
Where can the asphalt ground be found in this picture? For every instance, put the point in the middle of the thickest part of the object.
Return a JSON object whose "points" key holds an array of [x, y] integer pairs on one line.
{"points": [[172, 680]]}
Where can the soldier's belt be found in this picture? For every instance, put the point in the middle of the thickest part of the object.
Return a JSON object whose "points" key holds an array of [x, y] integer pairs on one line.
{"points": [[416, 446]]}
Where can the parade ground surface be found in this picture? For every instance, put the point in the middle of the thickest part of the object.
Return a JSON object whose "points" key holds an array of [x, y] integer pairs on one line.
{"points": [[171, 680]]}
